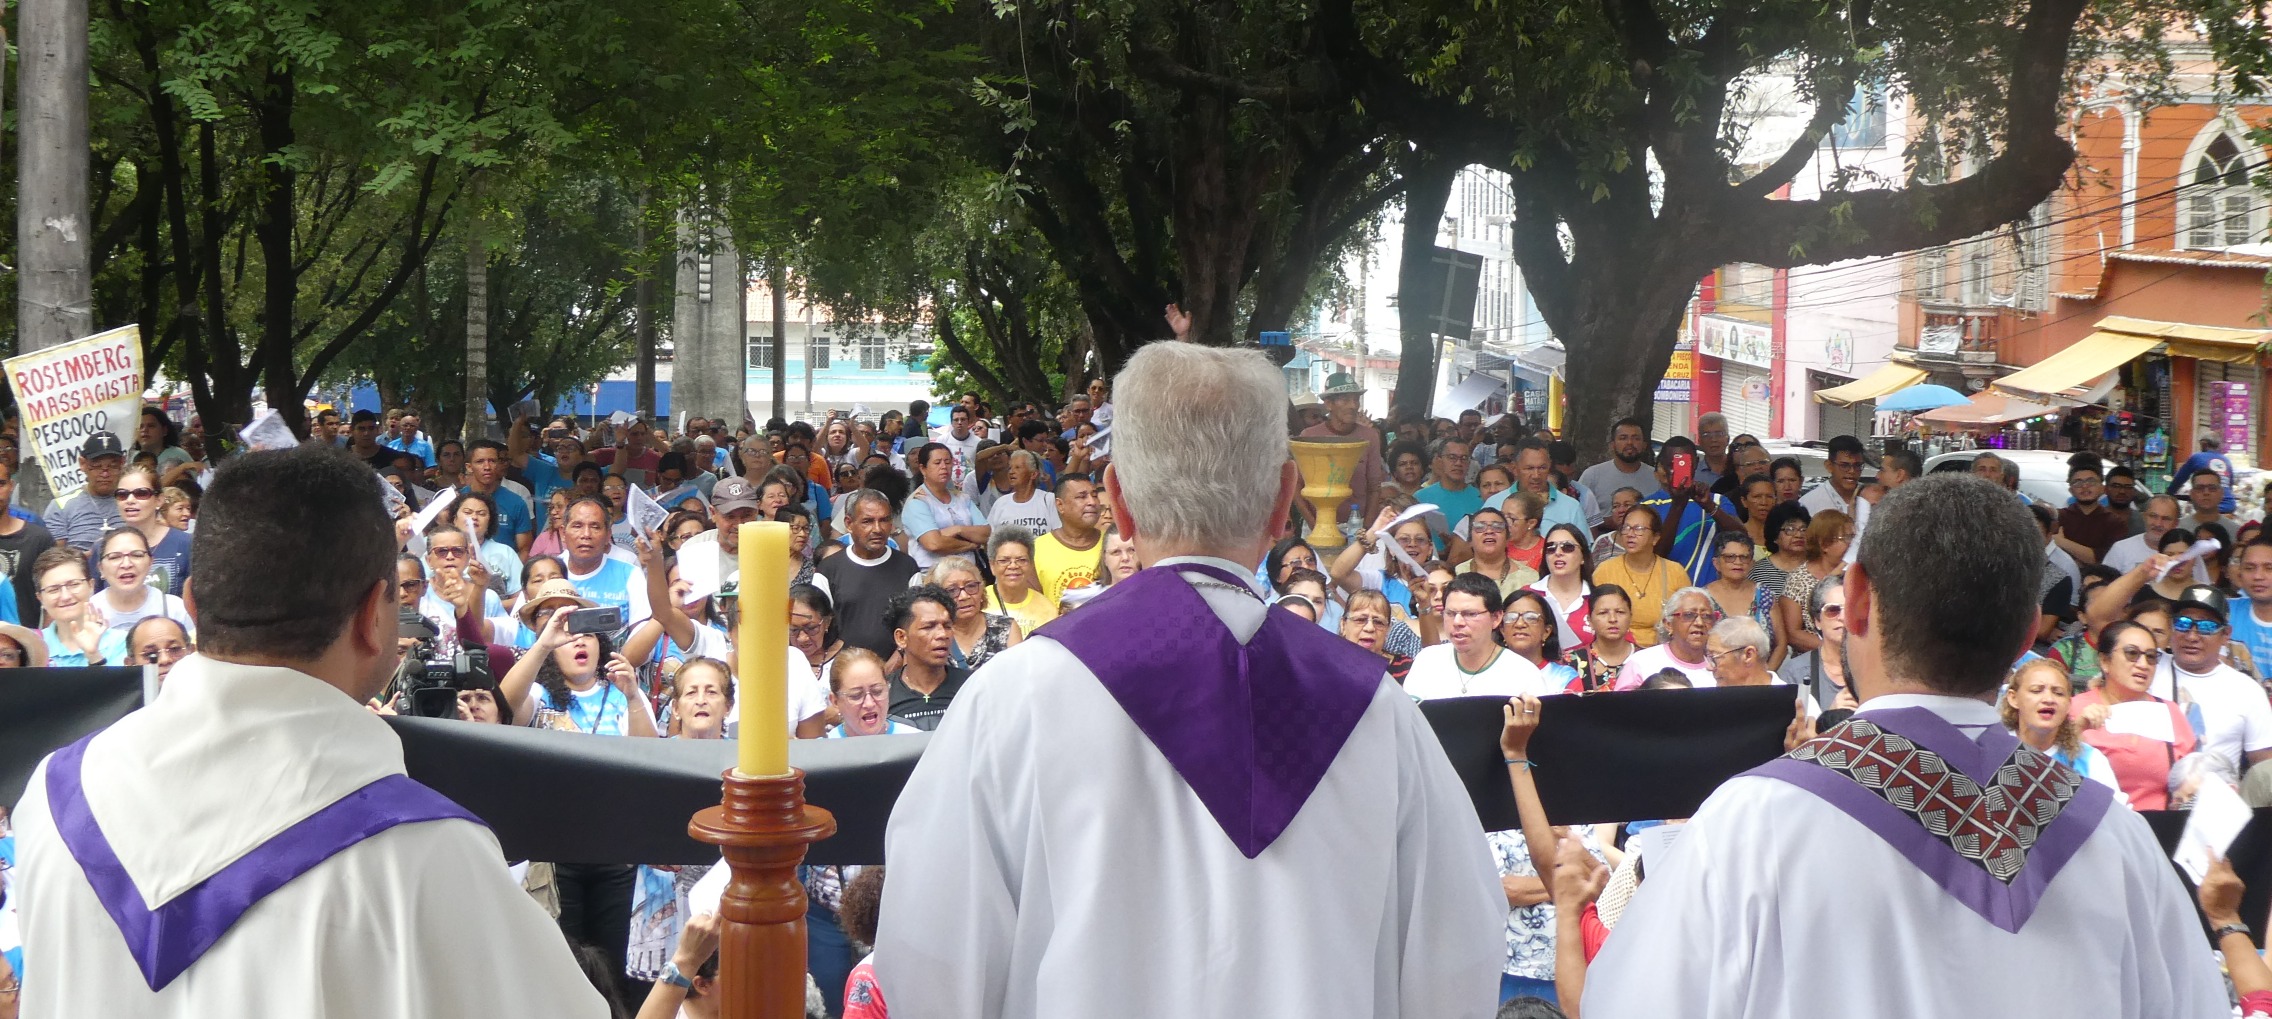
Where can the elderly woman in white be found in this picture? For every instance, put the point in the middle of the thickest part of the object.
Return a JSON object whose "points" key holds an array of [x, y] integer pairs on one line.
{"points": [[1688, 617]]}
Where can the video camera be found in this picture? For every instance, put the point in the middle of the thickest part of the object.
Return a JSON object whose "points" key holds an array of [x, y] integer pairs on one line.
{"points": [[427, 682]]}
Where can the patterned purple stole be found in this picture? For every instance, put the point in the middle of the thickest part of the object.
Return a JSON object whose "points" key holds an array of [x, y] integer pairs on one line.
{"points": [[1251, 728], [1988, 819], [167, 940]]}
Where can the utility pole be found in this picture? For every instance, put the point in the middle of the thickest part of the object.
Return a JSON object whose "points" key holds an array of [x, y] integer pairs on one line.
{"points": [[55, 287], [476, 423]]}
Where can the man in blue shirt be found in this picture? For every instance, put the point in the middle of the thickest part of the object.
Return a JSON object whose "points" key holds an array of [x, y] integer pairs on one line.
{"points": [[544, 473], [2252, 618], [1534, 473], [1687, 535], [413, 441], [2211, 458], [486, 471], [1451, 493], [605, 579]]}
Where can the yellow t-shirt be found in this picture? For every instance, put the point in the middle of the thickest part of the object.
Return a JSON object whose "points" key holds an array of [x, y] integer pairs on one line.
{"points": [[1646, 590], [1035, 609], [1062, 569]]}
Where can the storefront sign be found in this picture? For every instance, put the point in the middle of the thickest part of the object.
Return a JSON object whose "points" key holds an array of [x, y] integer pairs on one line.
{"points": [[1733, 339], [72, 391], [1838, 351], [1673, 388], [2230, 403]]}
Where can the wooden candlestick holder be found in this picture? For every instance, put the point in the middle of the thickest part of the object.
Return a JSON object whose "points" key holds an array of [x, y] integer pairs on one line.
{"points": [[763, 825]]}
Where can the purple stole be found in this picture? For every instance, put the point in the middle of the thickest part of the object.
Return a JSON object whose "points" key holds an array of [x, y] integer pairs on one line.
{"points": [[167, 940], [1251, 728], [1988, 819]]}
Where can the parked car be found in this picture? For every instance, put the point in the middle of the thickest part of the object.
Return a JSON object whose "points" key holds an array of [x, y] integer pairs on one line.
{"points": [[2043, 472]]}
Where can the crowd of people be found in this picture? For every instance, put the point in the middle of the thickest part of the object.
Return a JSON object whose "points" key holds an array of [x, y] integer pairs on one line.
{"points": [[923, 552]]}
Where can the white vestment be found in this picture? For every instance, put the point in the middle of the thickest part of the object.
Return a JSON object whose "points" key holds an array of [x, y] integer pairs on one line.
{"points": [[1047, 860], [1774, 904], [421, 919]]}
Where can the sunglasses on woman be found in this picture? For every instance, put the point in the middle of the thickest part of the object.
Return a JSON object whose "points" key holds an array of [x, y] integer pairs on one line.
{"points": [[1562, 547]]}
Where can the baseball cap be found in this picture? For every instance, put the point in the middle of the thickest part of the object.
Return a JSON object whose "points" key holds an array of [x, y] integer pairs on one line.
{"points": [[2202, 596], [99, 445], [733, 493]]}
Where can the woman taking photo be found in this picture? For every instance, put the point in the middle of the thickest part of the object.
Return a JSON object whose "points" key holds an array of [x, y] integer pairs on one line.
{"points": [[978, 634], [477, 515], [2035, 707], [1646, 576], [1567, 585], [75, 633], [1366, 623], [577, 682], [1738, 595], [1609, 611], [1526, 627], [126, 597], [1010, 550], [2142, 764], [1786, 546], [1822, 671], [1828, 535]]}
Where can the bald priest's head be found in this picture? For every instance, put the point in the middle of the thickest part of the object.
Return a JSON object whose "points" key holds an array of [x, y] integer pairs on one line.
{"points": [[1200, 461]]}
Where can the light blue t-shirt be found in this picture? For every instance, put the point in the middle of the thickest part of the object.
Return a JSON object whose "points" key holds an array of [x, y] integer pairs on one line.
{"points": [[1457, 506], [615, 583], [602, 710], [419, 446], [503, 563], [925, 514], [1560, 509], [2256, 636], [513, 517], [544, 476], [112, 645]]}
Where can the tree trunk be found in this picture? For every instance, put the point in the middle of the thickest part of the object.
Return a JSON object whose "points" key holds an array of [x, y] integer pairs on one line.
{"points": [[476, 423], [1427, 188], [55, 288], [280, 283], [643, 311], [217, 376], [1627, 347], [777, 280]]}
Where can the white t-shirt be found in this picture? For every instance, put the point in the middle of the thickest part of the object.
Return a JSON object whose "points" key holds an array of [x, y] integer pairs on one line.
{"points": [[1654, 659], [1038, 513], [806, 696], [2125, 555], [2233, 709], [1436, 672], [155, 603], [965, 476]]}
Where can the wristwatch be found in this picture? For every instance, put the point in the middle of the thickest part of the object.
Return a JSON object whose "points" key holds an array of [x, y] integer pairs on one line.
{"points": [[2230, 928], [672, 976]]}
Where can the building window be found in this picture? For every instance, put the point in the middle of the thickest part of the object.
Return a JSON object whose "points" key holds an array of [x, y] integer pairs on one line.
{"points": [[1864, 126], [1746, 285], [2221, 209], [871, 353], [761, 354], [816, 353]]}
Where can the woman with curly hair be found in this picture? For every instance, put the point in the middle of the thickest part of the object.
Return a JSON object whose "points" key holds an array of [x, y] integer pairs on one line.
{"points": [[2034, 707]]}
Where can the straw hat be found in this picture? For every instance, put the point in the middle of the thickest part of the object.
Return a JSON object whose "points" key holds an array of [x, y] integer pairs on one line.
{"points": [[547, 593]]}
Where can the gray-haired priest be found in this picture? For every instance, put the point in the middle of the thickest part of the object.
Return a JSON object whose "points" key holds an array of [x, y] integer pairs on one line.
{"points": [[1176, 801], [1917, 859]]}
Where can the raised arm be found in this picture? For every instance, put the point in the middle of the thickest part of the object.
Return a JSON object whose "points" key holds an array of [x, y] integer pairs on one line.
{"points": [[519, 683]]}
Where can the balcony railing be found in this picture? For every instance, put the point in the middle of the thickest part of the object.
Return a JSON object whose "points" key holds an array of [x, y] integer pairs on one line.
{"points": [[1960, 335]]}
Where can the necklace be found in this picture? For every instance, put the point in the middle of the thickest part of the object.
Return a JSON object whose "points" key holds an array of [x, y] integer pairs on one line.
{"points": [[1205, 582], [1640, 593]]}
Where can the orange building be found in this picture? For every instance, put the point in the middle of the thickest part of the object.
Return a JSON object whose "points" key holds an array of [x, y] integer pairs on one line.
{"points": [[2134, 299]]}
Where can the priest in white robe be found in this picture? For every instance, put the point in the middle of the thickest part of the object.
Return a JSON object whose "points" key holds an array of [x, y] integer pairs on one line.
{"points": [[1176, 801], [247, 844], [1916, 860]]}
